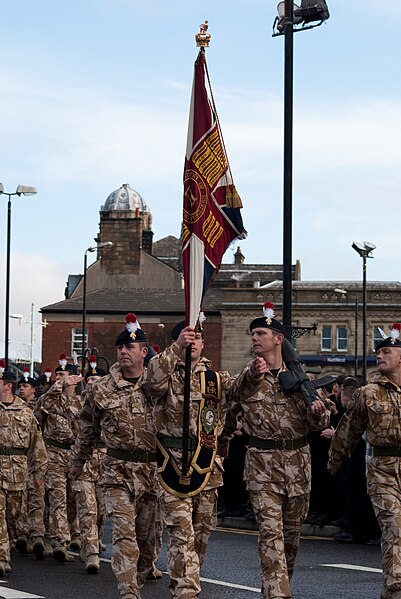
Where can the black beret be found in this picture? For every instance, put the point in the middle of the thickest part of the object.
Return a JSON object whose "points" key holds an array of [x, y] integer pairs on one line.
{"points": [[43, 379], [95, 372], [267, 321], [71, 368], [393, 340], [8, 376], [132, 332], [176, 330], [26, 380]]}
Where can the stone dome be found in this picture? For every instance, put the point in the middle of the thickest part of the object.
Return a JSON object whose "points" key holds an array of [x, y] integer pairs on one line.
{"points": [[124, 198]]}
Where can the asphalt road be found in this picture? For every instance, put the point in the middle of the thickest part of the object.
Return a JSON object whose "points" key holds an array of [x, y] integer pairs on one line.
{"points": [[324, 569]]}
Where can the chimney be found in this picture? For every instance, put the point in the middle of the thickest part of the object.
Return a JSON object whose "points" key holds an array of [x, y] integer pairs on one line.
{"points": [[239, 257]]}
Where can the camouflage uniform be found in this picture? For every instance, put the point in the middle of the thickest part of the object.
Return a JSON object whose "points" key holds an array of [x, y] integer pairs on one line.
{"points": [[91, 508], [57, 414], [279, 479], [22, 453], [35, 505], [189, 521], [117, 409], [376, 409]]}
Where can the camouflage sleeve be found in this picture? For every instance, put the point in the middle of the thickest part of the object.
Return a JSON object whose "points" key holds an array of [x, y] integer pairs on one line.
{"points": [[38, 413], [349, 430], [37, 457], [244, 385], [89, 431], [318, 422], [159, 370]]}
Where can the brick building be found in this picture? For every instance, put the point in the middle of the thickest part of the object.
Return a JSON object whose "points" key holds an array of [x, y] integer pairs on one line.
{"points": [[139, 275]]}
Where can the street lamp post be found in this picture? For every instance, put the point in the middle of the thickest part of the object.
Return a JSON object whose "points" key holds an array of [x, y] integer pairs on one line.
{"points": [[365, 250], [91, 248], [25, 191], [290, 15]]}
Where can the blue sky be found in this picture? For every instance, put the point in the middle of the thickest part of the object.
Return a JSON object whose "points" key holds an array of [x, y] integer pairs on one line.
{"points": [[95, 93]]}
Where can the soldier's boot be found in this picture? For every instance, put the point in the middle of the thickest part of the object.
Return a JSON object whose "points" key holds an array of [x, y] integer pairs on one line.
{"points": [[102, 547], [385, 593], [8, 568], [2, 568], [92, 564], [75, 544], [154, 574], [21, 545], [48, 547], [38, 548], [60, 554]]}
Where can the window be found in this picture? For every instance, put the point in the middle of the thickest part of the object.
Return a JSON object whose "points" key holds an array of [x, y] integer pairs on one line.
{"points": [[326, 338], [76, 341], [342, 339]]}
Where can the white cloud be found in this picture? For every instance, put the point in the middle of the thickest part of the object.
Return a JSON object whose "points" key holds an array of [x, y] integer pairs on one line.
{"points": [[36, 279]]}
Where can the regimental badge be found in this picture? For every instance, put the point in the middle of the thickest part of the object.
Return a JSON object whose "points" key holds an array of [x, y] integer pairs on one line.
{"points": [[209, 417]]}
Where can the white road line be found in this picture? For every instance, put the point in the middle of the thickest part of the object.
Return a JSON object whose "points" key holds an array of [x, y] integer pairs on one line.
{"points": [[231, 585], [8, 593], [351, 567], [212, 581]]}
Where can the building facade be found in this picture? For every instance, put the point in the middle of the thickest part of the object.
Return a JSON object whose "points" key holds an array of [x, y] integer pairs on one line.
{"points": [[138, 275]]}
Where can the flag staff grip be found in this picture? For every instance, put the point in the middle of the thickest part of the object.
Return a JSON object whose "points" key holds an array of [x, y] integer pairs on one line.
{"points": [[184, 478]]}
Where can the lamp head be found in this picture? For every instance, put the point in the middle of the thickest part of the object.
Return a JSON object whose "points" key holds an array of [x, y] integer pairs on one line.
{"points": [[25, 190], [1, 188], [369, 246]]}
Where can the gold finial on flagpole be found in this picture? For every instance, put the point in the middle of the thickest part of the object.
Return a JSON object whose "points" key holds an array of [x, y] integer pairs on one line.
{"points": [[203, 38]]}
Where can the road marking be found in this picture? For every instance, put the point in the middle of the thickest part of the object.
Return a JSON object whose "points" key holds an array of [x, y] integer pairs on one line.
{"points": [[231, 585], [212, 581], [13, 594], [351, 567]]}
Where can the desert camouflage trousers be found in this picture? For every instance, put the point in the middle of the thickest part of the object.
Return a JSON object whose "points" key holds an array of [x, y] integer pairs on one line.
{"points": [[189, 523], [387, 507], [279, 520], [62, 506], [132, 514], [32, 517], [91, 510], [12, 522]]}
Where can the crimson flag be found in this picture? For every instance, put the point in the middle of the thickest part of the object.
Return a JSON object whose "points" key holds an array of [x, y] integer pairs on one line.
{"points": [[211, 216]]}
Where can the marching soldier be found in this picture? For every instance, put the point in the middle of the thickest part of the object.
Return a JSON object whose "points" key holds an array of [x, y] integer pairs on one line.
{"points": [[22, 454], [278, 463], [57, 412], [90, 498], [375, 408], [189, 504], [116, 411]]}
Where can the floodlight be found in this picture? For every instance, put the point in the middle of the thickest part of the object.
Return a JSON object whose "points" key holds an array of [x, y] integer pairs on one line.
{"points": [[25, 190]]}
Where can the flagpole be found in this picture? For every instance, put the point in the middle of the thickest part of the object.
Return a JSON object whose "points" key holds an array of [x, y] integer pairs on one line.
{"points": [[211, 215], [184, 478]]}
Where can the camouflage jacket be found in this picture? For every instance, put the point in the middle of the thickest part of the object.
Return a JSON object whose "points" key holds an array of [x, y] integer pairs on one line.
{"points": [[92, 466], [19, 429], [164, 383], [57, 413], [374, 408], [117, 412], [271, 414]]}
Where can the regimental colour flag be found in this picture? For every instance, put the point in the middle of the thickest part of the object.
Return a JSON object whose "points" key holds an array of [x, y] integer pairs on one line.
{"points": [[212, 216]]}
